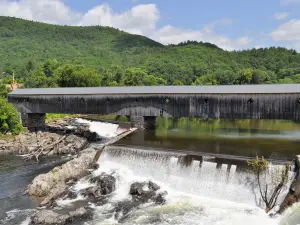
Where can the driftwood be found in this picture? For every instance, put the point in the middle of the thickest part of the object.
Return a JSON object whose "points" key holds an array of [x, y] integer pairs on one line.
{"points": [[40, 148]]}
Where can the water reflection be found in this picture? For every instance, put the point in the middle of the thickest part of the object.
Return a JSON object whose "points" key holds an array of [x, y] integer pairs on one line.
{"points": [[269, 138]]}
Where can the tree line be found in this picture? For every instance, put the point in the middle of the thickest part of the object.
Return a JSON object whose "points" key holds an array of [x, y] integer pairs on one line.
{"points": [[112, 57]]}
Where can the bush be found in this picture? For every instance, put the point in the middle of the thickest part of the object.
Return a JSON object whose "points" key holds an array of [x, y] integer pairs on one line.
{"points": [[9, 118]]}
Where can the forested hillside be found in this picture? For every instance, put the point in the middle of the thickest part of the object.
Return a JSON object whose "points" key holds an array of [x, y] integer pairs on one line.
{"points": [[46, 55]]}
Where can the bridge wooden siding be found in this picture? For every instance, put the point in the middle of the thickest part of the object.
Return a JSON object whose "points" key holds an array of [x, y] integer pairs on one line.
{"points": [[239, 102]]}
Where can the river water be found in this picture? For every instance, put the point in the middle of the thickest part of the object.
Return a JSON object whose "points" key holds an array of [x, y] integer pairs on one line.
{"points": [[202, 195]]}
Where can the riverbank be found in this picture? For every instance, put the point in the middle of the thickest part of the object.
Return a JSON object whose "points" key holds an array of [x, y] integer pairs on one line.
{"points": [[68, 138], [59, 137]]}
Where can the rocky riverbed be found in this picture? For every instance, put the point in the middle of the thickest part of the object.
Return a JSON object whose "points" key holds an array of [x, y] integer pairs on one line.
{"points": [[58, 138], [71, 138]]}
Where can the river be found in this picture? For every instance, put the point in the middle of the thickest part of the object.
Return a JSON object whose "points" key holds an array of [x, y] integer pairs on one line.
{"points": [[202, 195]]}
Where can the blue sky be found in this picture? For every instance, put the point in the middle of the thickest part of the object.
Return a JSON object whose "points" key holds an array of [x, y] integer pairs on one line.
{"points": [[231, 24]]}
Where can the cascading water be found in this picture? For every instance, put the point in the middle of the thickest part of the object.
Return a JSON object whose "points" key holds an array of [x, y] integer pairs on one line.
{"points": [[196, 194], [105, 130]]}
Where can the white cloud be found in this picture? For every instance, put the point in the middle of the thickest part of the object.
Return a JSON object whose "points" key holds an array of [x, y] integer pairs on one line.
{"points": [[289, 31], [48, 11], [173, 35], [289, 2], [281, 15], [141, 19]]}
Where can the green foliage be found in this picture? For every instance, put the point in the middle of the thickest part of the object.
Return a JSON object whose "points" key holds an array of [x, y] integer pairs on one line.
{"points": [[134, 76], [77, 76], [3, 90], [205, 80], [54, 116], [9, 118], [177, 83], [43, 54], [38, 79]]}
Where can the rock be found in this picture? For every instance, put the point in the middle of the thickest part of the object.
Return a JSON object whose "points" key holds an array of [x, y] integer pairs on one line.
{"points": [[3, 142], [74, 169], [96, 166], [49, 217], [153, 186], [106, 183], [293, 195], [145, 191], [91, 136], [160, 198], [57, 192], [72, 195], [81, 213], [71, 138], [137, 188]]}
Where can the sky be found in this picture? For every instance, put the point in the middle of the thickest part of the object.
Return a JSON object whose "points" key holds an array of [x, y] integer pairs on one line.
{"points": [[230, 24]]}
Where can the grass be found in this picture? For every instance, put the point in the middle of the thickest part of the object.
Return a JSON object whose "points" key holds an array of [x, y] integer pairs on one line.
{"points": [[55, 116]]}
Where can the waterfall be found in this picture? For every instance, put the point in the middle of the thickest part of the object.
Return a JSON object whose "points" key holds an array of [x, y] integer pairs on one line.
{"points": [[207, 178], [104, 130]]}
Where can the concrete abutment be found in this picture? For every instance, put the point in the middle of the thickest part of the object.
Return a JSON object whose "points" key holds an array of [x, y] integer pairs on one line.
{"points": [[142, 122], [33, 120]]}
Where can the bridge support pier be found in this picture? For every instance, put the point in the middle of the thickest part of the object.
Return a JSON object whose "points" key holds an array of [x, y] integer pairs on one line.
{"points": [[33, 120], [142, 122]]}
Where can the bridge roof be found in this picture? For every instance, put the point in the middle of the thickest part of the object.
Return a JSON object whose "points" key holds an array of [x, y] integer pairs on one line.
{"points": [[223, 89]]}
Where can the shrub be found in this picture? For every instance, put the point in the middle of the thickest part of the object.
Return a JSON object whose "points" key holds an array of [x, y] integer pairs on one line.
{"points": [[9, 118]]}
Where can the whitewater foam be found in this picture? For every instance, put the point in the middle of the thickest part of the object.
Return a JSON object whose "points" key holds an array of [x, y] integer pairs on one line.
{"points": [[195, 195], [185, 204], [106, 130]]}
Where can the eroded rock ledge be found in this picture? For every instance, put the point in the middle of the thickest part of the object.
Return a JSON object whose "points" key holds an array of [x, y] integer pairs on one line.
{"points": [[54, 184]]}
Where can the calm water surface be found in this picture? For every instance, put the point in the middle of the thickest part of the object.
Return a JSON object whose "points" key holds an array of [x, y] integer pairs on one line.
{"points": [[268, 138]]}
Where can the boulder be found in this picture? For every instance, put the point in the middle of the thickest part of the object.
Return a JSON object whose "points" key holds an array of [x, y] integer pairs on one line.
{"points": [[139, 188], [57, 192], [160, 198], [143, 192], [74, 169], [49, 217], [105, 183]]}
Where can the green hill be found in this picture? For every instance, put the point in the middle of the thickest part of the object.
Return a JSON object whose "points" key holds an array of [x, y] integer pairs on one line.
{"points": [[26, 45]]}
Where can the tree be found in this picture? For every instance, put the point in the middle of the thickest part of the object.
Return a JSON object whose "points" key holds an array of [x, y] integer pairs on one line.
{"points": [[30, 66], [77, 76], [177, 83], [285, 80], [50, 66], [38, 79], [9, 118], [205, 80], [269, 191], [245, 76], [150, 80], [259, 77], [134, 77]]}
